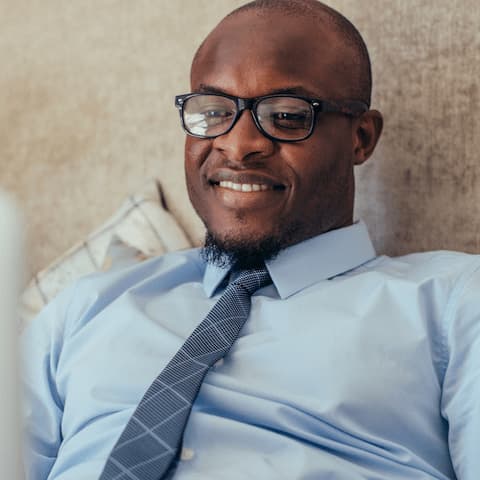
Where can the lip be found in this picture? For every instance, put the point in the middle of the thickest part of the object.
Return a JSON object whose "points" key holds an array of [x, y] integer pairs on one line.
{"points": [[224, 186], [266, 182]]}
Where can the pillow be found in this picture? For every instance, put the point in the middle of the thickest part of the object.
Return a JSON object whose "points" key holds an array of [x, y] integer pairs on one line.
{"points": [[140, 229]]}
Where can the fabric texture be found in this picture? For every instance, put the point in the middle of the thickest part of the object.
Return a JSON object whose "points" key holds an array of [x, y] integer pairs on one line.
{"points": [[141, 228], [349, 366], [151, 439]]}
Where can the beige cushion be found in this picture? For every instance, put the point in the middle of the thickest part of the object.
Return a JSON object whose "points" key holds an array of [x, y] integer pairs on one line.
{"points": [[141, 228]]}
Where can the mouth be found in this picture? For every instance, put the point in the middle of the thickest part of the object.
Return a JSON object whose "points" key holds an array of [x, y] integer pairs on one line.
{"points": [[245, 182], [246, 190], [247, 187]]}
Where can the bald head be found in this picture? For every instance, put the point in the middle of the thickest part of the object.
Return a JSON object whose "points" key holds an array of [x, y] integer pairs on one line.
{"points": [[351, 58], [278, 52]]}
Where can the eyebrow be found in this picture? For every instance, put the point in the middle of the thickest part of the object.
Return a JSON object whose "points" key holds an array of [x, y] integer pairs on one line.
{"points": [[293, 90]]}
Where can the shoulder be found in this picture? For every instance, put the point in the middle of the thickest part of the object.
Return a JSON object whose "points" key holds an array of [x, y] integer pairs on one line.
{"points": [[441, 280], [178, 265], [166, 271], [436, 277], [90, 295], [442, 265]]}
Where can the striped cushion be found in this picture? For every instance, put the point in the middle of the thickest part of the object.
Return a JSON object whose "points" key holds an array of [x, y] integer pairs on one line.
{"points": [[140, 229]]}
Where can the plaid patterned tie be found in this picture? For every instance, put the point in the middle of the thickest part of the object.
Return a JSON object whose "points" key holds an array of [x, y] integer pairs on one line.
{"points": [[152, 438]]}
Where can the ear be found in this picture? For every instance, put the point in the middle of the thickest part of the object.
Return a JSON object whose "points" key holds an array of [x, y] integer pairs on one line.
{"points": [[367, 130]]}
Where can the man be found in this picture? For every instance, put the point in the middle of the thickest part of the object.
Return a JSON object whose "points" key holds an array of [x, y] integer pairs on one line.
{"points": [[350, 366]]}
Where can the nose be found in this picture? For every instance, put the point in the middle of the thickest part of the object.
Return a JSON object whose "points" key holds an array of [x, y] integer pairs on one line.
{"points": [[244, 141]]}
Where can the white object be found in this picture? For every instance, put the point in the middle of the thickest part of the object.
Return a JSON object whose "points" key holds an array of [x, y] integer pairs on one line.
{"points": [[11, 269], [142, 223]]}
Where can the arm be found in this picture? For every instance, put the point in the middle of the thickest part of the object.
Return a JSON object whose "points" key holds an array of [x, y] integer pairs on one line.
{"points": [[41, 346], [461, 386]]}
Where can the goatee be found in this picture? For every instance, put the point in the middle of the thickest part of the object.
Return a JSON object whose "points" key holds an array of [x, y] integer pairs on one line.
{"points": [[239, 254]]}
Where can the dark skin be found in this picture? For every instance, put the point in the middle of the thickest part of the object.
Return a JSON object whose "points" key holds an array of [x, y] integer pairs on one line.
{"points": [[310, 183]]}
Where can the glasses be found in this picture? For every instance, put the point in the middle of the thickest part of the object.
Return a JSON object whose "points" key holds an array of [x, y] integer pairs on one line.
{"points": [[285, 118]]}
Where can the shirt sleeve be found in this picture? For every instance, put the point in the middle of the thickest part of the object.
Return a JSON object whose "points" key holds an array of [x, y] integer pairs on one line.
{"points": [[41, 347], [461, 387]]}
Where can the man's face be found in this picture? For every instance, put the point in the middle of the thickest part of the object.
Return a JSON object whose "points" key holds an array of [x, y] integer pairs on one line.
{"points": [[307, 187]]}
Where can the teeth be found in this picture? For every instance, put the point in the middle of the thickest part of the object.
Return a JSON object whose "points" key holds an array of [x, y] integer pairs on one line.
{"points": [[244, 187]]}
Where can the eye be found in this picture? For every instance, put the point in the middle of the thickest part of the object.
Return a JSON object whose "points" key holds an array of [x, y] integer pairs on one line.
{"points": [[216, 115], [279, 114], [291, 120]]}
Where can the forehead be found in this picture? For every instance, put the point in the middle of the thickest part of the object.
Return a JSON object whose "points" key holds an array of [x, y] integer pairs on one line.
{"points": [[250, 55]]}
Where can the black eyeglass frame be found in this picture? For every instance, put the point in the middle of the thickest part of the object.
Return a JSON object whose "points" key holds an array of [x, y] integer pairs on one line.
{"points": [[351, 108]]}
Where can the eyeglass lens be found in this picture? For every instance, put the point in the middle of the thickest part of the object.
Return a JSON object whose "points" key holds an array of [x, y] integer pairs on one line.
{"points": [[284, 118]]}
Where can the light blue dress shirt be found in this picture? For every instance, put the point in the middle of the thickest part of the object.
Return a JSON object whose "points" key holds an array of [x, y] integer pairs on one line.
{"points": [[351, 366]]}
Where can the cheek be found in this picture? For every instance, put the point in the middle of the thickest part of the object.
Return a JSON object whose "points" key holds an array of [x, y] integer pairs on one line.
{"points": [[310, 166], [196, 152], [322, 173]]}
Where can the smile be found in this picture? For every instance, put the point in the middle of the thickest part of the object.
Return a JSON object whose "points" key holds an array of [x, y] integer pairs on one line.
{"points": [[245, 187]]}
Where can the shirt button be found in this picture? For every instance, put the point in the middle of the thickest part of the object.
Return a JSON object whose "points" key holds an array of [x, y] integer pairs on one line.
{"points": [[187, 454], [219, 363]]}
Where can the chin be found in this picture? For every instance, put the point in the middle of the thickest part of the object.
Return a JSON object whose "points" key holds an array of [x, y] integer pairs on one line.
{"points": [[245, 252]]}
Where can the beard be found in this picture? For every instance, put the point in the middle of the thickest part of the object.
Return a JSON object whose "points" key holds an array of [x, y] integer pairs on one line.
{"points": [[245, 253]]}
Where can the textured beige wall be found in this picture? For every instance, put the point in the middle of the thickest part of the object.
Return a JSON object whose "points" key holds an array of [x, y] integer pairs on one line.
{"points": [[87, 114]]}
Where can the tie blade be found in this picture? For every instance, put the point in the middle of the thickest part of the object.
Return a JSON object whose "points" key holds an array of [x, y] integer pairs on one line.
{"points": [[111, 471], [152, 469], [153, 435]]}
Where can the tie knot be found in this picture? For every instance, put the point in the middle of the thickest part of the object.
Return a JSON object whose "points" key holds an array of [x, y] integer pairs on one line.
{"points": [[253, 280]]}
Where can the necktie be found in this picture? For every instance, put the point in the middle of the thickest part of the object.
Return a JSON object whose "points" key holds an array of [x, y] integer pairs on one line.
{"points": [[151, 440]]}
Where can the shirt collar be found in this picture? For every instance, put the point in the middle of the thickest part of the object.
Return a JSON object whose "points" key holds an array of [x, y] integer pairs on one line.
{"points": [[318, 258]]}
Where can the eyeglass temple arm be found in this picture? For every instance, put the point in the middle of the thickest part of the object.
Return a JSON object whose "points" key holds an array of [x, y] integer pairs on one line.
{"points": [[354, 108]]}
